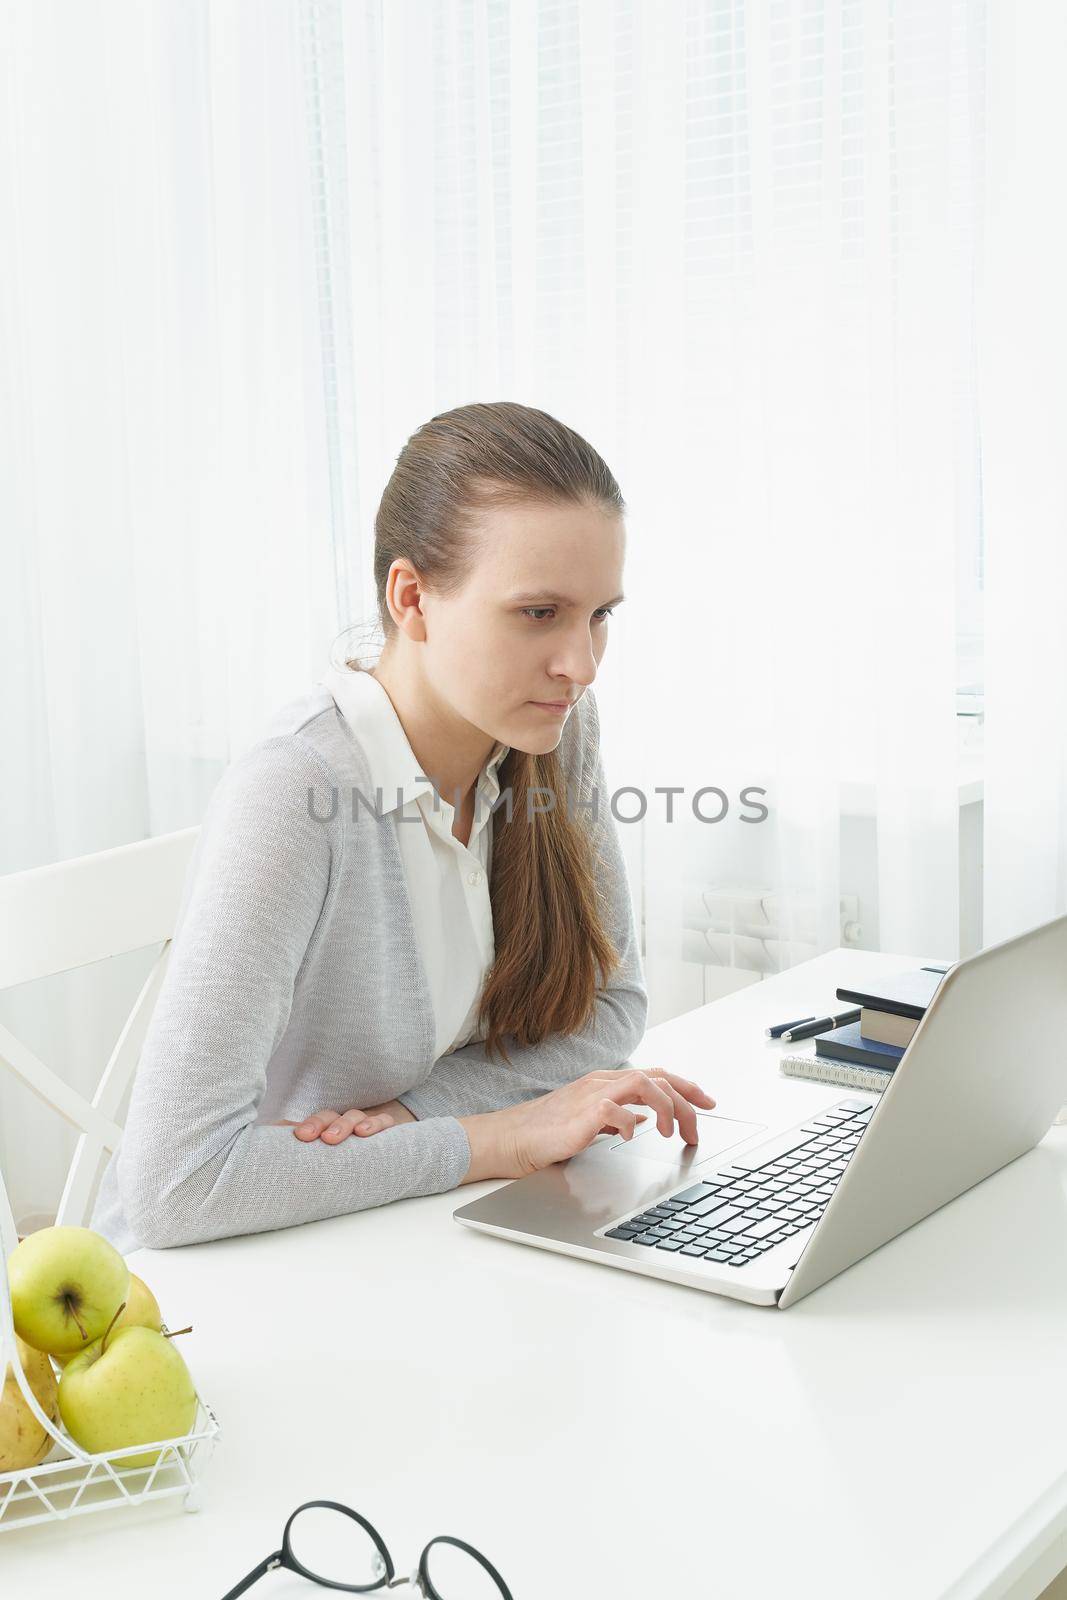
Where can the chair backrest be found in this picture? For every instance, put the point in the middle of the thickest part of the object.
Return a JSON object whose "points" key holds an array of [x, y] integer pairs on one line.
{"points": [[69, 914]]}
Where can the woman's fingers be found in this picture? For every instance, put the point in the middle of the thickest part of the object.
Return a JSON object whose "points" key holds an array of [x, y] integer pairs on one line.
{"points": [[342, 1127], [652, 1092], [686, 1086], [668, 1094], [640, 1117], [333, 1127], [356, 1121], [373, 1124], [617, 1118], [311, 1127], [687, 1117]]}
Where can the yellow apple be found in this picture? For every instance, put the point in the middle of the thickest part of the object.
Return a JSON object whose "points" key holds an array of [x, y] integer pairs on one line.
{"points": [[66, 1285], [141, 1311], [132, 1387], [23, 1442]]}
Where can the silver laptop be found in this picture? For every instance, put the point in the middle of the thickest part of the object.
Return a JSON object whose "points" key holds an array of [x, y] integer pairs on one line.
{"points": [[979, 1084]]}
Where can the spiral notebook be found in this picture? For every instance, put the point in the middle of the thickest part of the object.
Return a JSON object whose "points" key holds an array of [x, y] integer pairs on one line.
{"points": [[824, 1070]]}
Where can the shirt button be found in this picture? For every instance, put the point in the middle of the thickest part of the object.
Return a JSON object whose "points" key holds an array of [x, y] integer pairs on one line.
{"points": [[474, 877]]}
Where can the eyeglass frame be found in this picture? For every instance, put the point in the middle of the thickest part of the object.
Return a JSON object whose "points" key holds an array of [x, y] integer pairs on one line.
{"points": [[388, 1579]]}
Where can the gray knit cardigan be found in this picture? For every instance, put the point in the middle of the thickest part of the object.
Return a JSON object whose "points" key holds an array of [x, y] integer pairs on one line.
{"points": [[295, 984]]}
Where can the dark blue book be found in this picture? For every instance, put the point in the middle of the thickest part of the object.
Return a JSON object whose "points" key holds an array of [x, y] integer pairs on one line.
{"points": [[849, 1044], [906, 994]]}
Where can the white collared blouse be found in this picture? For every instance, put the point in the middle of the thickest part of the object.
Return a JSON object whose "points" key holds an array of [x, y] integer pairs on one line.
{"points": [[447, 880]]}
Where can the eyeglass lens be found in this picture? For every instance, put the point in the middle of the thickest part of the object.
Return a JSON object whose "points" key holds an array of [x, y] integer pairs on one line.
{"points": [[335, 1547], [457, 1576]]}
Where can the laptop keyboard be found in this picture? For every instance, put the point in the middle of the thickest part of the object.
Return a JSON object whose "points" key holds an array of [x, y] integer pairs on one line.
{"points": [[741, 1211]]}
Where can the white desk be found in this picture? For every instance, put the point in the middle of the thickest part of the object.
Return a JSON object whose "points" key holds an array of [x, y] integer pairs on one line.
{"points": [[901, 1434]]}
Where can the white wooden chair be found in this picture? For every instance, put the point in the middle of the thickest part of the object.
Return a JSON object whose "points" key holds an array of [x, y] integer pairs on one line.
{"points": [[67, 915], [53, 919]]}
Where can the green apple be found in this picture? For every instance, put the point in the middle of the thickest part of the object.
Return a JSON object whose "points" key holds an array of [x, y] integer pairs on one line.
{"points": [[131, 1388], [23, 1442], [66, 1284], [141, 1311]]}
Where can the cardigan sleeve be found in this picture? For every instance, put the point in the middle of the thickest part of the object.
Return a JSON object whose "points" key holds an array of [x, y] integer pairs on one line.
{"points": [[193, 1163], [467, 1081]]}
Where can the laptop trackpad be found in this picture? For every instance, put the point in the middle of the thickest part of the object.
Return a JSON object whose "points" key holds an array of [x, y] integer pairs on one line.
{"points": [[714, 1134]]}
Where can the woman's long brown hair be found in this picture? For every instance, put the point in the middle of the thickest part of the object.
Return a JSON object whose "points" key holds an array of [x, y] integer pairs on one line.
{"points": [[552, 950]]}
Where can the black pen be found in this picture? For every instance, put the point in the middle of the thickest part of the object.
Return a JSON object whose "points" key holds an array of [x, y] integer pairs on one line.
{"points": [[780, 1027], [822, 1024]]}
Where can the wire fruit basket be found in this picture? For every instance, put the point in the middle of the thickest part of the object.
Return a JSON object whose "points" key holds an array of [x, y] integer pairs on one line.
{"points": [[70, 1481]]}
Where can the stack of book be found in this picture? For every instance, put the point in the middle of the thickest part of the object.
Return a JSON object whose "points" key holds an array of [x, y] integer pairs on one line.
{"points": [[865, 1054]]}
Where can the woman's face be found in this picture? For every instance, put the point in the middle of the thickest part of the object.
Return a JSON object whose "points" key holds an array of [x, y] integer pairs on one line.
{"points": [[531, 624]]}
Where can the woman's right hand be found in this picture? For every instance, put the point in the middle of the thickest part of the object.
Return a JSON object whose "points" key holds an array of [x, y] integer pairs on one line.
{"points": [[525, 1138]]}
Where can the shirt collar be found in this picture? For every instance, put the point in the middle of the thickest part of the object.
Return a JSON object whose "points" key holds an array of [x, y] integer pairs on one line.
{"points": [[394, 768]]}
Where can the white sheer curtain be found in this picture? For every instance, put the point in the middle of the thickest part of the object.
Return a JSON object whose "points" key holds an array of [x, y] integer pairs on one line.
{"points": [[773, 260], [1024, 409], [168, 546], [734, 245], [169, 568]]}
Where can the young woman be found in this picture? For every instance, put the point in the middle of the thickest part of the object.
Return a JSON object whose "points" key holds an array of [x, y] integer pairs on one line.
{"points": [[405, 958]]}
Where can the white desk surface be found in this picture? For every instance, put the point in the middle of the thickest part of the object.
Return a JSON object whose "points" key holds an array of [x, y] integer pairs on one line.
{"points": [[900, 1434]]}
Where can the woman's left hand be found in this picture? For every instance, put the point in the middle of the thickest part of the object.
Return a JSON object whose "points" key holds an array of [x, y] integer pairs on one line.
{"points": [[333, 1127]]}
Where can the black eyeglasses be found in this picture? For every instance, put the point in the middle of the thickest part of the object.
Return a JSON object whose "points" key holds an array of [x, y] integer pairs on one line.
{"points": [[340, 1549]]}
